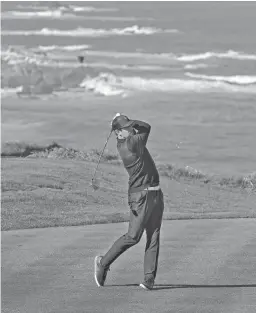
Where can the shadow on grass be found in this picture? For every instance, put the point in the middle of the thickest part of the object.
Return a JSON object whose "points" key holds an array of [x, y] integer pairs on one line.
{"points": [[124, 285], [186, 286], [170, 286]]}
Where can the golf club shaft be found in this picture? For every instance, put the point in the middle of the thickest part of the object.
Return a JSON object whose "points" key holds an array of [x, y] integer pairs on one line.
{"points": [[101, 155]]}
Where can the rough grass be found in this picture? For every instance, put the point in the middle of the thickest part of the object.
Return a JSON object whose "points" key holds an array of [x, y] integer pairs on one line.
{"points": [[22, 149], [247, 181], [56, 151], [43, 192]]}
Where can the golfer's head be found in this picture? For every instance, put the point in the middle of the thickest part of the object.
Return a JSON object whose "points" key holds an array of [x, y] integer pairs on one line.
{"points": [[123, 133], [122, 127]]}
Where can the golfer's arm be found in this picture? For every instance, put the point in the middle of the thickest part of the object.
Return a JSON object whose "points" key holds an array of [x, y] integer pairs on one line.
{"points": [[139, 140], [143, 128]]}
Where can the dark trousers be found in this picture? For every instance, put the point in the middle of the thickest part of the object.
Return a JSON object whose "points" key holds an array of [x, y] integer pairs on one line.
{"points": [[146, 214]]}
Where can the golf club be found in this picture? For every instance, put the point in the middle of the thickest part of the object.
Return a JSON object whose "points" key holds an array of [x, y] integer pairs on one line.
{"points": [[95, 186]]}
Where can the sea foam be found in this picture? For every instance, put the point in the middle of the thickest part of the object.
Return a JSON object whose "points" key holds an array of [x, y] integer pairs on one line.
{"points": [[230, 54], [64, 48], [56, 14], [74, 8], [129, 84], [235, 79], [90, 32]]}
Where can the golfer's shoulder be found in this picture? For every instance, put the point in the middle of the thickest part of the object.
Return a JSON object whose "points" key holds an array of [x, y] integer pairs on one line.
{"points": [[131, 138], [133, 141]]}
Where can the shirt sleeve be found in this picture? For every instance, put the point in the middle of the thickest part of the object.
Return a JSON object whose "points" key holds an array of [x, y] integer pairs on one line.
{"points": [[138, 141]]}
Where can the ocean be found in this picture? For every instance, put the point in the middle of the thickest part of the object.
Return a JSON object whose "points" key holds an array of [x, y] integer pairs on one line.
{"points": [[189, 68]]}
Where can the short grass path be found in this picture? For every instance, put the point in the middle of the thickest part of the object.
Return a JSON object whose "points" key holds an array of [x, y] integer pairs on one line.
{"points": [[204, 266]]}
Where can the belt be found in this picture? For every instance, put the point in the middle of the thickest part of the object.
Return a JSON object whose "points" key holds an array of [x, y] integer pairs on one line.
{"points": [[141, 188], [153, 188]]}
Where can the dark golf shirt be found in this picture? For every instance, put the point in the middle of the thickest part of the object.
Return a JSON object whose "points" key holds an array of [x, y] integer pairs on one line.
{"points": [[137, 160]]}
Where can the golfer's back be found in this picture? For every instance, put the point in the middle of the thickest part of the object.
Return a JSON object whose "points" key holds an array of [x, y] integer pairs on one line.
{"points": [[137, 160]]}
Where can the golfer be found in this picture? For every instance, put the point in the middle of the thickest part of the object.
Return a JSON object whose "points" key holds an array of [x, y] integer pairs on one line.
{"points": [[145, 199]]}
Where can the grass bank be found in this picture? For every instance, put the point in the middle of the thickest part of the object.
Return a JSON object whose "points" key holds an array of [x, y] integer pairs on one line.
{"points": [[55, 191], [56, 151]]}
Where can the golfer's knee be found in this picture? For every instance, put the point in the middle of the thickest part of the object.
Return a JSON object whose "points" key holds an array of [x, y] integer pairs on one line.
{"points": [[133, 239]]}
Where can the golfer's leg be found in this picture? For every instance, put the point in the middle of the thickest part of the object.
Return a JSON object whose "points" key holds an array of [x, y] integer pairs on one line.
{"points": [[126, 241], [153, 227]]}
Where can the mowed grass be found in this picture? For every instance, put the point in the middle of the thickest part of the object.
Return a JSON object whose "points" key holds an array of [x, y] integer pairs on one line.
{"points": [[56, 192], [205, 266]]}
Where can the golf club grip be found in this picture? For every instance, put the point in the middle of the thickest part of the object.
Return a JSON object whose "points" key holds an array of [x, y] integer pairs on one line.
{"points": [[101, 154]]}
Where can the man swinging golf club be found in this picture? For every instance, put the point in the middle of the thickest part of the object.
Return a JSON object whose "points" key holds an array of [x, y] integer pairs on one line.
{"points": [[145, 199]]}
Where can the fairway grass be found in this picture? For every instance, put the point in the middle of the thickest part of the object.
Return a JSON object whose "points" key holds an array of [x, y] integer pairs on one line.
{"points": [[40, 192], [205, 266]]}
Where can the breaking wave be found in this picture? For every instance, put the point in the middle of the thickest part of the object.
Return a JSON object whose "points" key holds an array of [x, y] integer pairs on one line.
{"points": [[17, 55], [60, 14], [155, 57], [48, 56], [180, 58], [36, 81], [39, 14], [7, 92], [118, 54], [230, 54], [51, 67], [168, 56], [195, 66], [90, 32], [64, 48], [237, 79], [104, 84], [33, 6], [73, 8], [124, 85]]}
